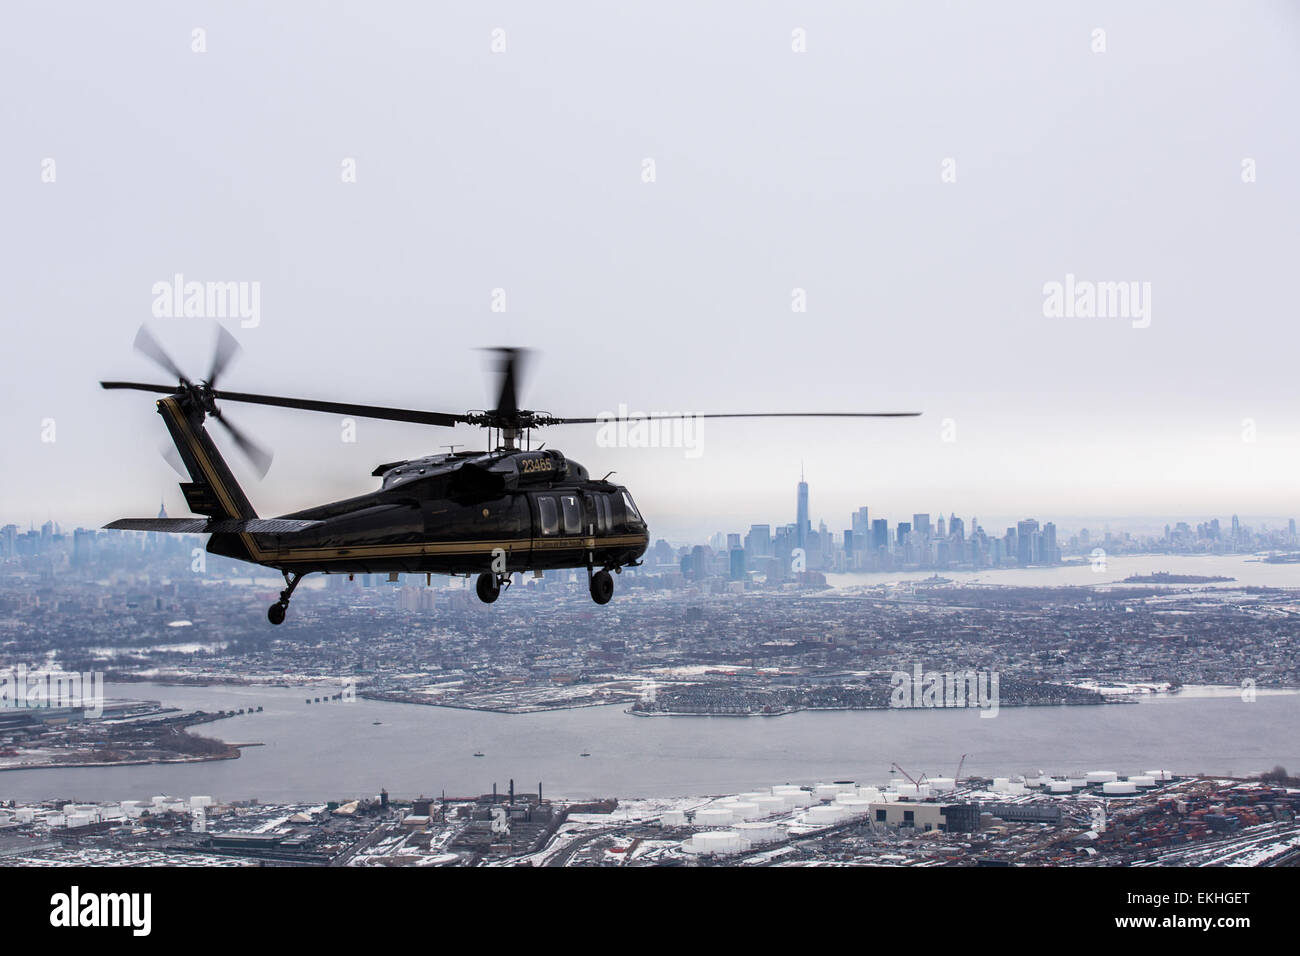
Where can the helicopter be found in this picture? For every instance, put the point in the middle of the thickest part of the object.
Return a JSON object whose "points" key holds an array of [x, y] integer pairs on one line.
{"points": [[496, 512]]}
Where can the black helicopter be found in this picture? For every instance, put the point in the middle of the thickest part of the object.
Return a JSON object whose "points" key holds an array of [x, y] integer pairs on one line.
{"points": [[494, 513]]}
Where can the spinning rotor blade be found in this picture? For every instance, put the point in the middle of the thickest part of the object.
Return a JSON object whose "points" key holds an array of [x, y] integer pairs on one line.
{"points": [[173, 459], [257, 455], [651, 418], [147, 345], [509, 369], [223, 351], [343, 408], [140, 386]]}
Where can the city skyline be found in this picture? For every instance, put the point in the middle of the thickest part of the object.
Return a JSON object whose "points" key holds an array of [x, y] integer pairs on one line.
{"points": [[781, 258]]}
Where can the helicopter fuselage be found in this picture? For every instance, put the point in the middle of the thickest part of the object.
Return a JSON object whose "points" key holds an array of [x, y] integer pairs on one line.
{"points": [[470, 512]]}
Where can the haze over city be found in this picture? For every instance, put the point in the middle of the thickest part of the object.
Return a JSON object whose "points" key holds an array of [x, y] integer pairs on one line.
{"points": [[486, 180]]}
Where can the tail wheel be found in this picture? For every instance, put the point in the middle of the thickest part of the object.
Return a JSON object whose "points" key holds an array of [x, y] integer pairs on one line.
{"points": [[602, 587], [487, 588]]}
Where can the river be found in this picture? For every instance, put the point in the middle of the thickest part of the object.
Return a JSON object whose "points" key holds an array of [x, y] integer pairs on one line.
{"points": [[332, 751]]}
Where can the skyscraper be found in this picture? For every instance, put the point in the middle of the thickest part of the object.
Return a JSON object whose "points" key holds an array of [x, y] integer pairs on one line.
{"points": [[802, 526]]}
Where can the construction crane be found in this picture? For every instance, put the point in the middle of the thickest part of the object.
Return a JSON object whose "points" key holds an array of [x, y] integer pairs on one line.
{"points": [[894, 766], [956, 780]]}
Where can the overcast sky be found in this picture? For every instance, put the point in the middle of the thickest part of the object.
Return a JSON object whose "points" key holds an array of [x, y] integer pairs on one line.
{"points": [[524, 170]]}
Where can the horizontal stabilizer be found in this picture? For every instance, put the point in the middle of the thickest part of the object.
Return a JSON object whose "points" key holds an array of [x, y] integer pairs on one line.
{"points": [[214, 526]]}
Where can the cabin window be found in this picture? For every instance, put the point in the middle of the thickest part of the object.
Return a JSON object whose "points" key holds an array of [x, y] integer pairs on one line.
{"points": [[604, 520], [572, 514], [547, 515], [632, 514]]}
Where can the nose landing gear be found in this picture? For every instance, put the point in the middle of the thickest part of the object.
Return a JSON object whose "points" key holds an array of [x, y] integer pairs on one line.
{"points": [[275, 613]]}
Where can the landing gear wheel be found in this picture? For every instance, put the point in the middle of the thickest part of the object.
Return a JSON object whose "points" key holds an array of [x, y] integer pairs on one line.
{"points": [[275, 613], [487, 587], [602, 587]]}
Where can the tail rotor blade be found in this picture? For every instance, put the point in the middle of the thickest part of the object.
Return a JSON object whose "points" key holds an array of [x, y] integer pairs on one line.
{"points": [[173, 458], [259, 457], [146, 344], [224, 351]]}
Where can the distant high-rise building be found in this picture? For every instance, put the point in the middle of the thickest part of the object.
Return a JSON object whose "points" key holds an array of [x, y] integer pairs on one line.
{"points": [[737, 563], [879, 534], [801, 524], [861, 527], [921, 524], [904, 529], [941, 530], [1025, 531]]}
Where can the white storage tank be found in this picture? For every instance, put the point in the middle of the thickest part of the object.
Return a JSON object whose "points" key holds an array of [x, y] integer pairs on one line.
{"points": [[1016, 789], [1142, 781], [756, 833], [826, 791], [746, 811], [869, 793], [1118, 788], [79, 819], [847, 786], [824, 816], [1102, 776], [853, 806], [196, 802], [25, 815], [160, 800], [770, 805], [942, 784], [713, 817], [673, 818], [1160, 776], [1001, 784], [906, 790], [720, 842], [1059, 786]]}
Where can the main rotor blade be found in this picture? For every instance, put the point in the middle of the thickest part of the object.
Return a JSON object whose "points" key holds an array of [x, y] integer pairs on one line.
{"points": [[652, 418], [510, 370], [223, 350], [146, 344], [260, 457], [344, 408], [140, 386]]}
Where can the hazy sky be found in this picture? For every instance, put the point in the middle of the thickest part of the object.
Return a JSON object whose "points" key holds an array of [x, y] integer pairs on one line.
{"points": [[774, 170]]}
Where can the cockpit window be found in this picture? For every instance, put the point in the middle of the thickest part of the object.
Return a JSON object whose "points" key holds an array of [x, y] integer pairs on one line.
{"points": [[632, 513]]}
